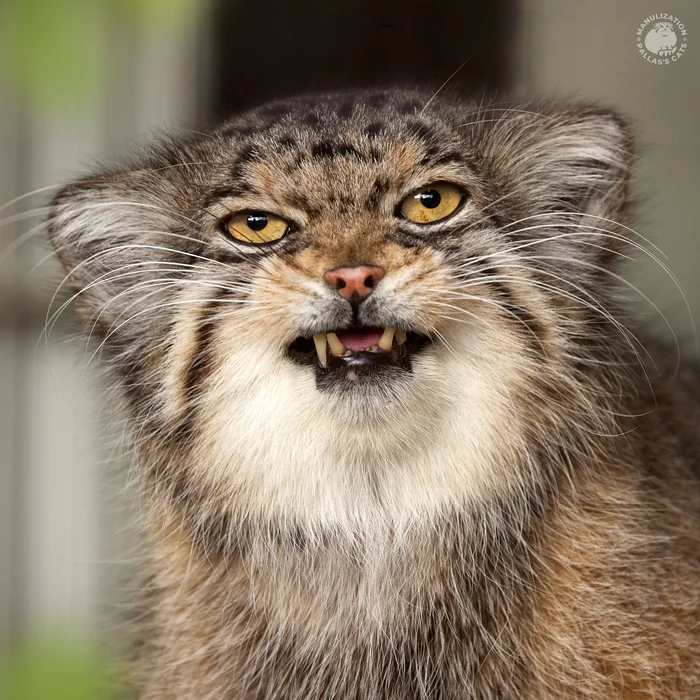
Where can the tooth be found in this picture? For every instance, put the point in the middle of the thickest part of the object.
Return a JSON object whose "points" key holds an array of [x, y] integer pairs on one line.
{"points": [[320, 342], [337, 348], [387, 339], [400, 336]]}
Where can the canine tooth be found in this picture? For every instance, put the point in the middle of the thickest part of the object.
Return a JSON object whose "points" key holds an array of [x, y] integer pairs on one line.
{"points": [[320, 342], [337, 348], [400, 336], [387, 339]]}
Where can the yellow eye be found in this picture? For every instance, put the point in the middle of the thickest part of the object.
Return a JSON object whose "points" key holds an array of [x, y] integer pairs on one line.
{"points": [[256, 227], [432, 203]]}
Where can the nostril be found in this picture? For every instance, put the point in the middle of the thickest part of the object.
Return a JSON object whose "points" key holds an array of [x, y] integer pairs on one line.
{"points": [[354, 282]]}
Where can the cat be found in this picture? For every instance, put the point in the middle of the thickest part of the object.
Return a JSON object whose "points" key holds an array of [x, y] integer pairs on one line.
{"points": [[396, 436]]}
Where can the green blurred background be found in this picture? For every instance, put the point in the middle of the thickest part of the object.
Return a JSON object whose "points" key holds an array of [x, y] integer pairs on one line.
{"points": [[82, 80]]}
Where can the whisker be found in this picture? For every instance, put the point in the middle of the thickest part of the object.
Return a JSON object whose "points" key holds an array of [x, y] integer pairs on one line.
{"points": [[500, 305], [111, 276], [508, 111], [617, 224], [604, 233], [164, 283], [439, 90], [7, 205], [151, 310], [118, 249], [17, 243], [23, 216], [625, 332], [621, 279]]}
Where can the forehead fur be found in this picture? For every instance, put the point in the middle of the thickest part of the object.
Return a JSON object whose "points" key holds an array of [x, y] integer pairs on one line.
{"points": [[333, 151]]}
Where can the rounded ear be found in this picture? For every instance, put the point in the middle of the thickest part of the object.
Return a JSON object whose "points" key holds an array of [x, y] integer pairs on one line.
{"points": [[107, 232], [565, 171], [570, 157]]}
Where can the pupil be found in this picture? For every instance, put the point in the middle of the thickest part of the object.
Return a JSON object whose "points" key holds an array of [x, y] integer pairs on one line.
{"points": [[430, 199], [256, 222]]}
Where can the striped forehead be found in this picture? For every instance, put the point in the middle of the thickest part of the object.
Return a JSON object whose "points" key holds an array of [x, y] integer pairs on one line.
{"points": [[331, 163]]}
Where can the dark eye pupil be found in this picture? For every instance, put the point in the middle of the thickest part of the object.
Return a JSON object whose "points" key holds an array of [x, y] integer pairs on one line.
{"points": [[429, 198], [257, 222]]}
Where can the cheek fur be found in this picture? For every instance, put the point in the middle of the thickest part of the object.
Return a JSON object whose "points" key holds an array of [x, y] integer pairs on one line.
{"points": [[267, 437], [280, 448]]}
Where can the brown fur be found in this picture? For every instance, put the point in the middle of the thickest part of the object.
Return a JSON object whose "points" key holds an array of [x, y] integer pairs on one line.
{"points": [[515, 516]]}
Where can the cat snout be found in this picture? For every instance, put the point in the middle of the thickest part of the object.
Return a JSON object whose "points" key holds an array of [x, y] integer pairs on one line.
{"points": [[355, 282]]}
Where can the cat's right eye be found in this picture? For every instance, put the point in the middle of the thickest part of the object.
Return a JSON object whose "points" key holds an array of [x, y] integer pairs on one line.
{"points": [[256, 227]]}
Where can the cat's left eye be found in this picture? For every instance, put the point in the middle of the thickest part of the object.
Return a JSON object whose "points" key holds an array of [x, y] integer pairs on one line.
{"points": [[432, 203], [256, 227]]}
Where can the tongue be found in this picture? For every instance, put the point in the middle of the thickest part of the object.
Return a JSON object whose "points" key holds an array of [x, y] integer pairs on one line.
{"points": [[359, 338]]}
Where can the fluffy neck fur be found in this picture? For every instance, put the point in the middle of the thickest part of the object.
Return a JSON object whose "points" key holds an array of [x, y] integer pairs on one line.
{"points": [[539, 593]]}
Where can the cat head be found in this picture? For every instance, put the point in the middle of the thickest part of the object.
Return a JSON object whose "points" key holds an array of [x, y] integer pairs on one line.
{"points": [[330, 293]]}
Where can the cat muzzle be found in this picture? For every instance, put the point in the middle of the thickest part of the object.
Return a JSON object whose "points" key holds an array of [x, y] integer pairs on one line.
{"points": [[357, 350]]}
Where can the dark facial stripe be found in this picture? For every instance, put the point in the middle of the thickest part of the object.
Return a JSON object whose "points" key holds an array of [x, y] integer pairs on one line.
{"points": [[380, 188], [234, 190], [451, 157], [199, 366], [346, 109], [248, 152], [407, 238], [421, 130], [329, 149], [233, 257], [409, 107], [373, 130]]}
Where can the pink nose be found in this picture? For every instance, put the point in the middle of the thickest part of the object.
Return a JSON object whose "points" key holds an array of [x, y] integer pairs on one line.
{"points": [[355, 283]]}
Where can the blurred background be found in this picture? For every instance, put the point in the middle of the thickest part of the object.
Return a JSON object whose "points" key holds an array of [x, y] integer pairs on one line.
{"points": [[82, 80]]}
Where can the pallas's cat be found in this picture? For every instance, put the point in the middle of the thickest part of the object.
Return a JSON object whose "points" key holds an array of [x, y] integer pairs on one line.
{"points": [[396, 435]]}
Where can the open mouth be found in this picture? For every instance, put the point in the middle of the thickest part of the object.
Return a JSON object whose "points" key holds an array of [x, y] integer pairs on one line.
{"points": [[358, 351]]}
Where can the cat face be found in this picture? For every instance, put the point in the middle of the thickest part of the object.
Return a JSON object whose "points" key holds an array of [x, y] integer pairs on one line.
{"points": [[331, 293]]}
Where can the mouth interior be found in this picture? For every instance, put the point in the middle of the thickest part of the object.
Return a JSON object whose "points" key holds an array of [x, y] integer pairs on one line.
{"points": [[361, 338], [357, 348]]}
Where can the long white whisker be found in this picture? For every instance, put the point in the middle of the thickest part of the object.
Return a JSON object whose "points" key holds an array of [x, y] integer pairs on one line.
{"points": [[627, 283], [19, 241], [492, 302], [625, 332], [22, 216], [151, 310], [604, 233], [118, 249], [439, 90], [7, 205], [112, 276], [161, 284]]}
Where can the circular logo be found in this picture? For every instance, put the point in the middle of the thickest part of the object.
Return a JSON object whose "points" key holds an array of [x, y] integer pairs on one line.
{"points": [[662, 39]]}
